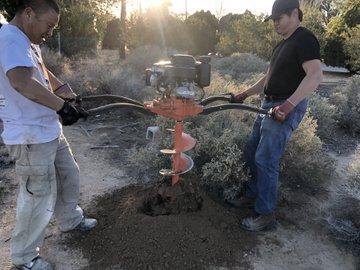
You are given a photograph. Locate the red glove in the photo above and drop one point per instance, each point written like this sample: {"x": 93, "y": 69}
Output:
{"x": 281, "y": 112}
{"x": 239, "y": 98}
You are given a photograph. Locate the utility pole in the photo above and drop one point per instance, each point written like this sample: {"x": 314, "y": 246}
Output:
{"x": 140, "y": 7}
{"x": 122, "y": 53}
{"x": 186, "y": 9}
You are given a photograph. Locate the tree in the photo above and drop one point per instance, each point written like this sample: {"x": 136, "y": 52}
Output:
{"x": 247, "y": 33}
{"x": 314, "y": 20}
{"x": 341, "y": 33}
{"x": 202, "y": 30}
{"x": 112, "y": 35}
{"x": 122, "y": 30}
{"x": 352, "y": 50}
{"x": 351, "y": 13}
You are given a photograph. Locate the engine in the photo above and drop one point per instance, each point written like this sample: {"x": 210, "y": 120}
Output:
{"x": 183, "y": 76}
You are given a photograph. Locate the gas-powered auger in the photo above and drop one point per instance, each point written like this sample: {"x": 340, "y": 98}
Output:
{"x": 180, "y": 83}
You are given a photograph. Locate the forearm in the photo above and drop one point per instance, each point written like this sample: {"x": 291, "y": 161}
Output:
{"x": 257, "y": 88}
{"x": 36, "y": 92}
{"x": 54, "y": 81}
{"x": 306, "y": 87}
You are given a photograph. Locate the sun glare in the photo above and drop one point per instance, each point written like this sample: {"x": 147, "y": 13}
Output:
{"x": 151, "y": 3}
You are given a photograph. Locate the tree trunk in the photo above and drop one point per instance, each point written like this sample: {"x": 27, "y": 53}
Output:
{"x": 123, "y": 30}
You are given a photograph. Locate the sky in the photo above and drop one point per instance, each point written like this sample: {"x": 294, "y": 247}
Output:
{"x": 217, "y": 7}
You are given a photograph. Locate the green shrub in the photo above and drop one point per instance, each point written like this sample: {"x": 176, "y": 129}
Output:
{"x": 348, "y": 103}
{"x": 324, "y": 112}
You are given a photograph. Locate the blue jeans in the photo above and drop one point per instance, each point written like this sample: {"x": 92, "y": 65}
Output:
{"x": 263, "y": 151}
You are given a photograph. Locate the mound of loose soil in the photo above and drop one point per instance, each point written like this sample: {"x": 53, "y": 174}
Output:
{"x": 168, "y": 200}
{"x": 126, "y": 238}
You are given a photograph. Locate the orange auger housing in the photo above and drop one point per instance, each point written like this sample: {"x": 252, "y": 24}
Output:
{"x": 178, "y": 81}
{"x": 178, "y": 109}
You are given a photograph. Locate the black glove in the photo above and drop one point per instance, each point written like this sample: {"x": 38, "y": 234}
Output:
{"x": 68, "y": 114}
{"x": 83, "y": 113}
{"x": 75, "y": 101}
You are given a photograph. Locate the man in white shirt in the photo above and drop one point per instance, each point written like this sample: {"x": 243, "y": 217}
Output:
{"x": 33, "y": 100}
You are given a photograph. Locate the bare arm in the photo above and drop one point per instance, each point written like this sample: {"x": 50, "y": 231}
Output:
{"x": 54, "y": 81}
{"x": 311, "y": 81}
{"x": 61, "y": 90}
{"x": 257, "y": 88}
{"x": 22, "y": 80}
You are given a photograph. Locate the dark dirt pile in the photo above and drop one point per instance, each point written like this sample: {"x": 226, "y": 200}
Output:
{"x": 126, "y": 238}
{"x": 165, "y": 199}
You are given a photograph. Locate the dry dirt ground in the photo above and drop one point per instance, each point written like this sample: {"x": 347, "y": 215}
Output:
{"x": 209, "y": 239}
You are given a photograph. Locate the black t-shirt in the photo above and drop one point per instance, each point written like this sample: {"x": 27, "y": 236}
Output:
{"x": 286, "y": 71}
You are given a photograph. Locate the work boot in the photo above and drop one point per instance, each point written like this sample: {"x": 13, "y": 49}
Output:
{"x": 259, "y": 222}
{"x": 36, "y": 264}
{"x": 242, "y": 202}
{"x": 86, "y": 224}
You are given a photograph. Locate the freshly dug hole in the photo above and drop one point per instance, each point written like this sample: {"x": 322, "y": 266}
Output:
{"x": 167, "y": 200}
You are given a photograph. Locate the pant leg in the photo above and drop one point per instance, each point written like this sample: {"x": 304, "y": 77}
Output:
{"x": 273, "y": 138}
{"x": 67, "y": 212}
{"x": 36, "y": 199}
{"x": 249, "y": 153}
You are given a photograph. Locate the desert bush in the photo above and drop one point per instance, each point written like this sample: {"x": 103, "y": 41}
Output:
{"x": 353, "y": 170}
{"x": 102, "y": 79}
{"x": 95, "y": 76}
{"x": 56, "y": 63}
{"x": 324, "y": 112}
{"x": 304, "y": 157}
{"x": 218, "y": 154}
{"x": 240, "y": 66}
{"x": 348, "y": 103}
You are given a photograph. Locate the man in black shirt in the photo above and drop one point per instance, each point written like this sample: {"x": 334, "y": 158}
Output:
{"x": 294, "y": 73}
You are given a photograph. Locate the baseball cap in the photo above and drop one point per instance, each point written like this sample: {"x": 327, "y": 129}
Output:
{"x": 280, "y": 7}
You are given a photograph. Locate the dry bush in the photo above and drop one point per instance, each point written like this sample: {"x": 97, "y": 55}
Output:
{"x": 324, "y": 112}
{"x": 353, "y": 170}
{"x": 101, "y": 78}
{"x": 347, "y": 100}
{"x": 304, "y": 157}
{"x": 218, "y": 154}
{"x": 57, "y": 64}
{"x": 240, "y": 66}
{"x": 96, "y": 76}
